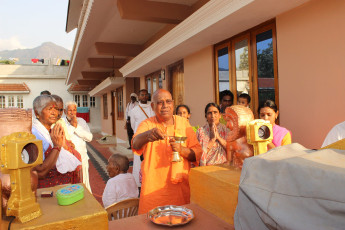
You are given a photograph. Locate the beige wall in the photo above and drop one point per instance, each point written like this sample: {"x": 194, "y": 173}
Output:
{"x": 311, "y": 65}
{"x": 199, "y": 83}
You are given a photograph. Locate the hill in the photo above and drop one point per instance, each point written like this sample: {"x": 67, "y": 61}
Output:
{"x": 47, "y": 50}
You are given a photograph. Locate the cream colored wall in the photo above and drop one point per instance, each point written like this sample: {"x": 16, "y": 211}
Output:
{"x": 199, "y": 83}
{"x": 311, "y": 65}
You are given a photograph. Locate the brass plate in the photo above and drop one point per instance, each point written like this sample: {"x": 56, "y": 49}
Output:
{"x": 170, "y": 215}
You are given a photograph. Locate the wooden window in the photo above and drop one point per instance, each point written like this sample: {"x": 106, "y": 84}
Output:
{"x": 2, "y": 102}
{"x": 84, "y": 100}
{"x": 119, "y": 103}
{"x": 92, "y": 102}
{"x": 247, "y": 63}
{"x": 154, "y": 82}
{"x": 176, "y": 83}
{"x": 20, "y": 103}
{"x": 105, "y": 106}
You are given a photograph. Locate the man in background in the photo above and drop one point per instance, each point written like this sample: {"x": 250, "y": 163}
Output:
{"x": 226, "y": 99}
{"x": 139, "y": 113}
{"x": 128, "y": 126}
{"x": 79, "y": 132}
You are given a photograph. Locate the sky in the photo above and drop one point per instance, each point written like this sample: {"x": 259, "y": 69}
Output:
{"x": 26, "y": 24}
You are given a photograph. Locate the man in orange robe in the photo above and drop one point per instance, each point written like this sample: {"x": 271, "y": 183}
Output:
{"x": 165, "y": 182}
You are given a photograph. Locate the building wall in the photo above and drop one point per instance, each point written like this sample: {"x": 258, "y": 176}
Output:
{"x": 311, "y": 48}
{"x": 37, "y": 78}
{"x": 199, "y": 80}
{"x": 45, "y": 77}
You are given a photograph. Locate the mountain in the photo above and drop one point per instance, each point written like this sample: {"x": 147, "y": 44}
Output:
{"x": 47, "y": 50}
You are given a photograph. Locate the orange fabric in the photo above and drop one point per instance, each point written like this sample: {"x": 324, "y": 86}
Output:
{"x": 157, "y": 188}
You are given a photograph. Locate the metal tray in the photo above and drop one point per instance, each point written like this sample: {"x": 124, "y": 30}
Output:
{"x": 170, "y": 215}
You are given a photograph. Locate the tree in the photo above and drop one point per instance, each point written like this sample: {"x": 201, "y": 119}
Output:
{"x": 265, "y": 62}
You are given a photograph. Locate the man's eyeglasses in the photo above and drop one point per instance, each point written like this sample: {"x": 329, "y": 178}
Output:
{"x": 168, "y": 102}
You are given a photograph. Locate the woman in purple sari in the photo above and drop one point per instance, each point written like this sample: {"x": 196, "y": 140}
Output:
{"x": 281, "y": 136}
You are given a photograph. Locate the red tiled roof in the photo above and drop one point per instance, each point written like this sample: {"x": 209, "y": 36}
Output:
{"x": 14, "y": 87}
{"x": 79, "y": 88}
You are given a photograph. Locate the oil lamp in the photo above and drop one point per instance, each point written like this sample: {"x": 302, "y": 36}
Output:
{"x": 176, "y": 155}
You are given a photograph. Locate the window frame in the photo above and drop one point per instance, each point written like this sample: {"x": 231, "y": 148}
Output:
{"x": 20, "y": 101}
{"x": 2, "y": 101}
{"x": 271, "y": 26}
{"x": 119, "y": 104}
{"x": 11, "y": 101}
{"x": 105, "y": 106}
{"x": 252, "y": 63}
{"x": 84, "y": 102}
{"x": 155, "y": 75}
{"x": 92, "y": 102}
{"x": 77, "y": 99}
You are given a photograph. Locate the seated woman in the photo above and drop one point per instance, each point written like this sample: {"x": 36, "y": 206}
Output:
{"x": 184, "y": 111}
{"x": 281, "y": 136}
{"x": 212, "y": 137}
{"x": 60, "y": 161}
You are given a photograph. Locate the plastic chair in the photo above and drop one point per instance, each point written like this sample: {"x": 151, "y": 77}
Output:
{"x": 123, "y": 209}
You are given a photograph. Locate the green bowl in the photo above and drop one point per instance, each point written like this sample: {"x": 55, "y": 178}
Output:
{"x": 70, "y": 194}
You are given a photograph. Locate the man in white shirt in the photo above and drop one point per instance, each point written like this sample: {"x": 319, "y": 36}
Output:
{"x": 121, "y": 184}
{"x": 128, "y": 126}
{"x": 336, "y": 134}
{"x": 139, "y": 113}
{"x": 79, "y": 132}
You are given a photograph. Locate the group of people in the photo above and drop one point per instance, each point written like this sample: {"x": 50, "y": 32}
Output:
{"x": 64, "y": 137}
{"x": 156, "y": 178}
{"x": 161, "y": 181}
{"x": 152, "y": 128}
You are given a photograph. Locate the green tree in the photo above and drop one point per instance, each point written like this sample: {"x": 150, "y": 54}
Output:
{"x": 265, "y": 62}
{"x": 7, "y": 62}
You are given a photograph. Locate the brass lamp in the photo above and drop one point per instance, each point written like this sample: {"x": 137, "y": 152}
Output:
{"x": 20, "y": 152}
{"x": 176, "y": 155}
{"x": 259, "y": 134}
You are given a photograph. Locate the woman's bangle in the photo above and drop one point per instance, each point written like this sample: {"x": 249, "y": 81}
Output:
{"x": 57, "y": 148}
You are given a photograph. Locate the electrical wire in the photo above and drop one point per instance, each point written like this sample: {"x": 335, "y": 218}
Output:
{"x": 9, "y": 224}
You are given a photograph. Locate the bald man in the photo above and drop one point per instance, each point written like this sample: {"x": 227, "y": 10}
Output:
{"x": 164, "y": 182}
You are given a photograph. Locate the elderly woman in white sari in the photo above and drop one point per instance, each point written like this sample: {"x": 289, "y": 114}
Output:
{"x": 61, "y": 163}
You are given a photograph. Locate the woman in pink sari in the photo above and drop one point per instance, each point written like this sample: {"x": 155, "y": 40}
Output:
{"x": 212, "y": 137}
{"x": 281, "y": 136}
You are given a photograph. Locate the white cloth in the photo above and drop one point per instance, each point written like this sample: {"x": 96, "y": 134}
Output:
{"x": 79, "y": 136}
{"x": 129, "y": 107}
{"x": 291, "y": 187}
{"x": 137, "y": 116}
{"x": 337, "y": 133}
{"x": 119, "y": 188}
{"x": 66, "y": 161}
